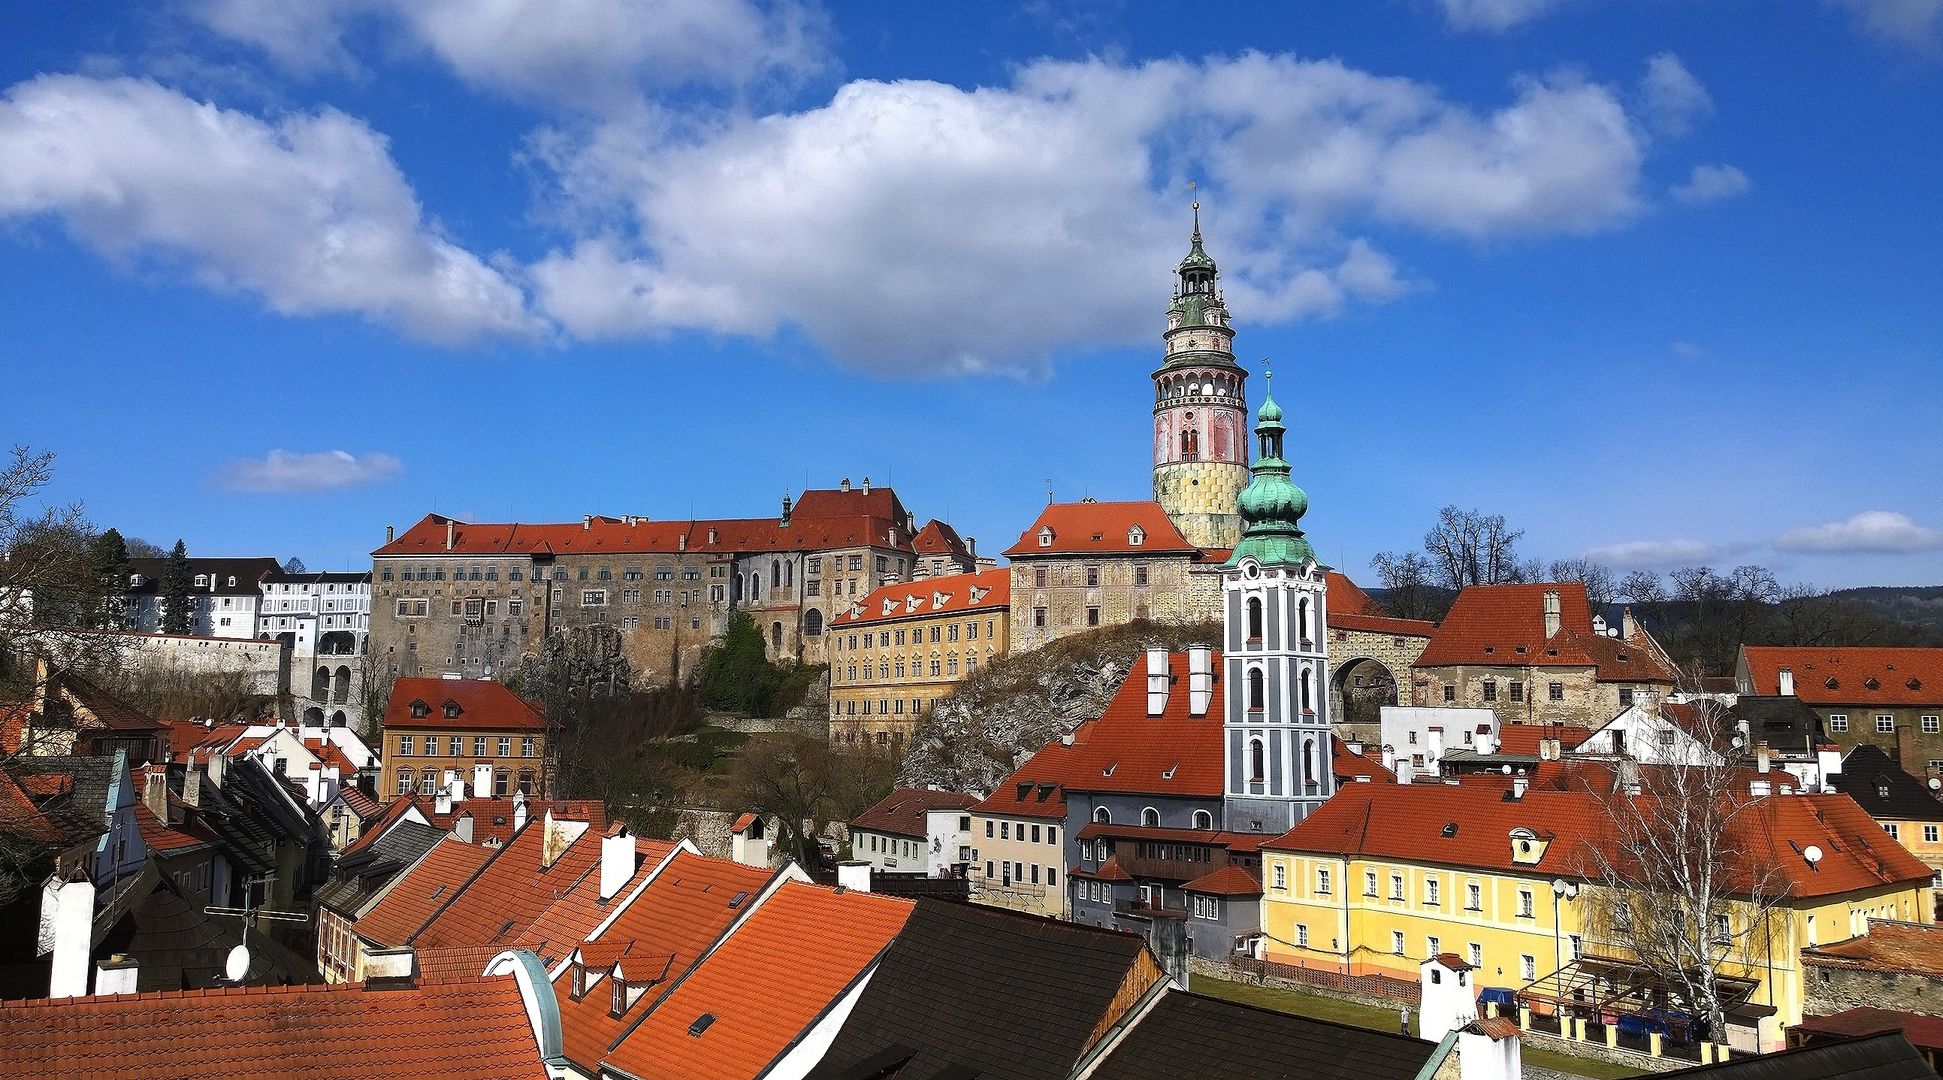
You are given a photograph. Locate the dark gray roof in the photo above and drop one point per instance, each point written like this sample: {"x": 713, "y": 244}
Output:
{"x": 84, "y": 807}
{"x": 1883, "y": 789}
{"x": 1191, "y": 1035}
{"x": 359, "y": 876}
{"x": 178, "y": 946}
{"x": 968, "y": 989}
{"x": 1888, "y": 1056}
{"x": 247, "y": 573}
{"x": 323, "y": 578}
{"x": 1787, "y": 723}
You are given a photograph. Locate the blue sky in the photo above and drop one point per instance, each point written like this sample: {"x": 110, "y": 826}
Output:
{"x": 1656, "y": 280}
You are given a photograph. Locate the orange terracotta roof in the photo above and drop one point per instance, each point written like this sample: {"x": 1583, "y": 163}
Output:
{"x": 902, "y": 812}
{"x": 484, "y": 705}
{"x": 420, "y": 892}
{"x": 1862, "y": 675}
{"x": 493, "y": 818}
{"x": 1524, "y": 738}
{"x": 656, "y": 937}
{"x": 447, "y": 1029}
{"x": 1110, "y": 870}
{"x": 1381, "y": 624}
{"x": 164, "y": 840}
{"x": 511, "y": 891}
{"x": 13, "y": 724}
{"x": 1504, "y": 626}
{"x": 1890, "y": 945}
{"x": 18, "y": 815}
{"x": 1347, "y": 766}
{"x": 938, "y": 538}
{"x": 763, "y": 987}
{"x": 1233, "y": 841}
{"x": 1230, "y": 880}
{"x": 742, "y": 821}
{"x": 1346, "y": 597}
{"x": 455, "y": 961}
{"x": 1407, "y": 822}
{"x": 1101, "y": 528}
{"x": 1035, "y": 789}
{"x": 569, "y": 920}
{"x": 988, "y": 590}
{"x": 1170, "y": 754}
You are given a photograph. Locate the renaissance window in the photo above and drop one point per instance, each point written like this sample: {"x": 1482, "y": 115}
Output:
{"x": 1885, "y": 723}
{"x": 1838, "y": 722}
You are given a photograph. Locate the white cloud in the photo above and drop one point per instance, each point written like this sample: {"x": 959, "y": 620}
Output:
{"x": 1674, "y": 98}
{"x": 1914, "y": 24}
{"x": 1870, "y": 532}
{"x": 328, "y": 470}
{"x": 1493, "y": 15}
{"x": 309, "y": 212}
{"x": 1657, "y": 554}
{"x": 1711, "y": 183}
{"x": 597, "y": 54}
{"x": 914, "y": 227}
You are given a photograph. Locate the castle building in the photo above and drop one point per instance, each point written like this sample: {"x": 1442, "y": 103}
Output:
{"x": 904, "y": 646}
{"x": 1200, "y": 409}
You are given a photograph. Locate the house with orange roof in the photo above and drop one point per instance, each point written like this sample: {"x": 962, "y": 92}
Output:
{"x": 1886, "y": 697}
{"x": 459, "y": 736}
{"x": 1384, "y": 876}
{"x": 915, "y": 831}
{"x": 901, "y": 648}
{"x": 1537, "y": 654}
{"x": 1088, "y": 564}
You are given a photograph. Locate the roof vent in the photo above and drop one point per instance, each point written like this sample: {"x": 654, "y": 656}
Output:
{"x": 1871, "y": 683}
{"x": 701, "y": 1024}
{"x": 1450, "y": 829}
{"x": 1831, "y": 683}
{"x": 736, "y": 900}
{"x": 1108, "y": 771}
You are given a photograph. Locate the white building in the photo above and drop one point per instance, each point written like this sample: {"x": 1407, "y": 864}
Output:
{"x": 1415, "y": 738}
{"x": 223, "y": 595}
{"x": 915, "y": 831}
{"x": 325, "y": 620}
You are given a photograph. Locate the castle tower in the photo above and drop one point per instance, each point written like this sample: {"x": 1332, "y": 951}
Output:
{"x": 1275, "y": 652}
{"x": 1200, "y": 409}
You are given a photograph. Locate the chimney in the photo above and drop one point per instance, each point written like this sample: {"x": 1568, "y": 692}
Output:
{"x": 67, "y": 923}
{"x": 455, "y": 786}
{"x": 1786, "y": 687}
{"x": 192, "y": 784}
{"x": 1157, "y": 680}
{"x": 711, "y": 538}
{"x": 681, "y": 542}
{"x": 616, "y": 862}
{"x": 1627, "y": 627}
{"x": 462, "y": 827}
{"x": 854, "y": 874}
{"x": 845, "y": 486}
{"x": 1448, "y": 1000}
{"x": 750, "y": 846}
{"x": 1355, "y": 747}
{"x": 391, "y": 969}
{"x": 216, "y": 767}
{"x": 586, "y": 522}
{"x": 482, "y": 781}
{"x": 155, "y": 793}
{"x": 442, "y": 802}
{"x": 1552, "y": 613}
{"x": 866, "y": 485}
{"x": 391, "y": 533}
{"x": 971, "y": 549}
{"x": 558, "y": 837}
{"x": 115, "y": 975}
{"x": 1828, "y": 762}
{"x": 1491, "y": 1050}
{"x": 1168, "y": 939}
{"x": 1520, "y": 784}
{"x": 519, "y": 810}
{"x": 786, "y": 508}
{"x": 451, "y": 533}
{"x": 1763, "y": 756}
{"x": 1200, "y": 679}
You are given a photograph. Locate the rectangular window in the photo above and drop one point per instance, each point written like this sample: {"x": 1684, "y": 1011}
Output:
{"x": 478, "y": 746}
{"x": 1626, "y": 696}
{"x": 1369, "y": 883}
{"x": 1893, "y": 830}
{"x": 1555, "y": 691}
{"x": 455, "y": 746}
{"x": 1396, "y": 886}
{"x": 1524, "y": 904}
{"x": 1929, "y": 834}
{"x": 1281, "y": 877}
{"x": 526, "y": 746}
{"x": 1473, "y": 897}
{"x": 1433, "y": 945}
{"x": 505, "y": 746}
{"x": 1528, "y": 967}
{"x": 404, "y": 741}
{"x": 1005, "y": 830}
{"x": 1838, "y": 722}
{"x": 1432, "y": 894}
{"x": 1477, "y": 955}
{"x": 1396, "y": 942}
{"x": 1517, "y": 691}
{"x": 1885, "y": 723}
{"x": 1039, "y": 617}
{"x": 1322, "y": 881}
{"x": 1932, "y": 725}
{"x": 1092, "y": 577}
{"x": 1450, "y": 692}
{"x": 1092, "y": 616}
{"x": 1490, "y": 690}
{"x": 515, "y": 606}
{"x": 1035, "y": 834}
{"x": 1302, "y": 935}
{"x": 988, "y": 829}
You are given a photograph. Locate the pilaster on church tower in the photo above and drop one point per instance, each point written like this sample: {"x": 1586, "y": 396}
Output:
{"x": 1200, "y": 408}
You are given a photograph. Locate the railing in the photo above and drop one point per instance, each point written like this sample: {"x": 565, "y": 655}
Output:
{"x": 1381, "y": 987}
{"x": 1141, "y": 909}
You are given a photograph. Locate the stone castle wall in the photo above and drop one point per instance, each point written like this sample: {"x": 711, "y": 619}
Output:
{"x": 1199, "y": 496}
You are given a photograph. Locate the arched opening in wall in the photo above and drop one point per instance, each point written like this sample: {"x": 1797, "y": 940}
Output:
{"x": 813, "y": 623}
{"x": 1308, "y": 693}
{"x": 1357, "y": 694}
{"x": 1257, "y": 761}
{"x": 1257, "y": 689}
{"x": 1309, "y": 762}
{"x": 1254, "y": 618}
{"x": 1102, "y": 815}
{"x": 1150, "y": 818}
{"x": 288, "y": 639}
{"x": 338, "y": 719}
{"x": 1203, "y": 819}
{"x": 775, "y": 573}
{"x": 341, "y": 686}
{"x": 320, "y": 684}
{"x": 337, "y": 643}
{"x": 1302, "y": 621}
{"x": 313, "y": 717}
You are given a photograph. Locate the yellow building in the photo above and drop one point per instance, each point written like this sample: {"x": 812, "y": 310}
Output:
{"x": 1384, "y": 876}
{"x": 904, "y": 646}
{"x": 1902, "y": 804}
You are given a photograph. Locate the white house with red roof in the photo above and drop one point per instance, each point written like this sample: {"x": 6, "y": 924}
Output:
{"x": 915, "y": 831}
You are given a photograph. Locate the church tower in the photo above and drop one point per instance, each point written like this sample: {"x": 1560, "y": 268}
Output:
{"x": 1275, "y": 652}
{"x": 1200, "y": 409}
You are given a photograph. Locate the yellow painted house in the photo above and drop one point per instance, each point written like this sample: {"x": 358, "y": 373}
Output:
{"x": 1384, "y": 876}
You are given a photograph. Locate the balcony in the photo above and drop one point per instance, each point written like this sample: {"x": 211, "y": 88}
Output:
{"x": 1141, "y": 909}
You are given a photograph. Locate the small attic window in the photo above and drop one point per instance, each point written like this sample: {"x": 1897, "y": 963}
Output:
{"x": 1551, "y": 652}
{"x": 452, "y": 710}
{"x": 737, "y": 900}
{"x": 1882, "y": 789}
{"x": 1521, "y": 648}
{"x": 420, "y": 709}
{"x": 1108, "y": 771}
{"x": 1831, "y": 683}
{"x": 1871, "y": 683}
{"x": 1045, "y": 536}
{"x": 1490, "y": 649}
{"x": 202, "y": 580}
{"x": 232, "y": 581}
{"x": 1914, "y": 684}
{"x": 1622, "y": 657}
{"x": 701, "y": 1024}
{"x": 1136, "y": 536}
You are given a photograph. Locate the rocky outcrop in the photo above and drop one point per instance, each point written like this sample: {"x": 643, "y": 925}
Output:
{"x": 999, "y": 717}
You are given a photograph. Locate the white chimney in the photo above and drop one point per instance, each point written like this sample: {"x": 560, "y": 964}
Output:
{"x": 1448, "y": 1001}
{"x": 866, "y": 485}
{"x": 1763, "y": 756}
{"x": 1157, "y": 680}
{"x": 455, "y": 786}
{"x": 391, "y": 968}
{"x": 1355, "y": 747}
{"x": 1553, "y": 616}
{"x": 1787, "y": 683}
{"x": 519, "y": 810}
{"x": 616, "y": 862}
{"x": 115, "y": 975}
{"x": 1200, "y": 679}
{"x": 67, "y": 909}
{"x": 1403, "y": 769}
{"x": 1490, "y": 1050}
{"x": 462, "y": 827}
{"x": 391, "y": 533}
{"x": 845, "y": 486}
{"x": 1519, "y": 784}
{"x": 442, "y": 802}
{"x": 482, "y": 781}
{"x": 1828, "y": 761}
{"x": 854, "y": 875}
{"x": 451, "y": 533}
{"x": 1627, "y": 627}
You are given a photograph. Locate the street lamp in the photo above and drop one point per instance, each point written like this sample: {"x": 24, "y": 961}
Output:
{"x": 1561, "y": 890}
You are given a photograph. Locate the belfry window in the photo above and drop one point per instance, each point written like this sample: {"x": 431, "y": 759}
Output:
{"x": 1255, "y": 619}
{"x": 1255, "y": 689}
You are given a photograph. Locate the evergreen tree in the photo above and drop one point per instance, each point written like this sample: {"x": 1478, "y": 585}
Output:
{"x": 737, "y": 676}
{"x": 108, "y": 571}
{"x": 175, "y": 587}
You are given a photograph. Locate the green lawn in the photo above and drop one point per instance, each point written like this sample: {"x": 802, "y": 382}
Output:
{"x": 1377, "y": 1018}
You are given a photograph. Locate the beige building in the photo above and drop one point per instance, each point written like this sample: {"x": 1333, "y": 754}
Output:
{"x": 1088, "y": 564}
{"x": 470, "y": 732}
{"x": 465, "y": 600}
{"x": 1017, "y": 850}
{"x": 896, "y": 651}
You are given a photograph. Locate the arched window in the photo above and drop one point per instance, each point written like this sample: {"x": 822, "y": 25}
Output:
{"x": 341, "y": 686}
{"x": 775, "y": 573}
{"x": 1308, "y": 703}
{"x": 1254, "y": 618}
{"x": 1302, "y": 622}
{"x": 1257, "y": 761}
{"x": 813, "y": 623}
{"x": 1102, "y": 815}
{"x": 1309, "y": 762}
{"x": 405, "y": 780}
{"x": 1150, "y": 818}
{"x": 1203, "y": 819}
{"x": 1256, "y": 690}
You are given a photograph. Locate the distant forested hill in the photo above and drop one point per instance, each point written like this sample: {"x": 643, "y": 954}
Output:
{"x": 1917, "y": 605}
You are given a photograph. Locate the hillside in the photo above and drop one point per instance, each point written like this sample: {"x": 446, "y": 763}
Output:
{"x": 996, "y": 718}
{"x": 1918, "y": 606}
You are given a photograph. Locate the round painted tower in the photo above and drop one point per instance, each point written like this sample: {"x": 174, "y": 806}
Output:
{"x": 1200, "y": 409}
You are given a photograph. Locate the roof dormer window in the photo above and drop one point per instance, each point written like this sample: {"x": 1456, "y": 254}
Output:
{"x": 420, "y": 710}
{"x": 202, "y": 581}
{"x": 232, "y": 581}
{"x": 452, "y": 710}
{"x": 1045, "y": 536}
{"x": 1136, "y": 536}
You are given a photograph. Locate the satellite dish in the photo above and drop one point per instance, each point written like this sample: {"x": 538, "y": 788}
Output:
{"x": 237, "y": 967}
{"x": 1812, "y": 853}
{"x": 1507, "y": 770}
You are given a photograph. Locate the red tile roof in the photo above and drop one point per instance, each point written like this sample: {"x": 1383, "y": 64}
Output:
{"x": 571, "y": 918}
{"x": 484, "y": 705}
{"x": 1110, "y": 870}
{"x": 1863, "y": 675}
{"x": 938, "y": 538}
{"x": 1407, "y": 822}
{"x": 1923, "y": 1032}
{"x": 1347, "y": 598}
{"x": 1381, "y": 624}
{"x": 1233, "y": 841}
{"x": 18, "y": 815}
{"x": 446, "y": 1029}
{"x": 420, "y": 892}
{"x": 1504, "y": 626}
{"x": 164, "y": 840}
{"x": 493, "y": 818}
{"x": 989, "y": 590}
{"x": 1524, "y": 738}
{"x": 1889, "y": 945}
{"x": 901, "y": 813}
{"x": 657, "y": 937}
{"x": 1230, "y": 880}
{"x": 1093, "y": 528}
{"x": 1347, "y": 766}
{"x": 795, "y": 957}
{"x": 512, "y": 890}
{"x": 1170, "y": 754}
{"x": 1045, "y": 795}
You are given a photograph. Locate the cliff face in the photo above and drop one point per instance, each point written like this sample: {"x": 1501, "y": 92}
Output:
{"x": 996, "y": 719}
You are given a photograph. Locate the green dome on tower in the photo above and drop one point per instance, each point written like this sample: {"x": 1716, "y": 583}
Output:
{"x": 1271, "y": 505}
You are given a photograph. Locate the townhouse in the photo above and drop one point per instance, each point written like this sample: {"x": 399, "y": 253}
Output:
{"x": 1891, "y": 698}
{"x": 897, "y": 651}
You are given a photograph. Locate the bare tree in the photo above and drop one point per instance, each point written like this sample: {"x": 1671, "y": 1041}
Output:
{"x": 1468, "y": 548}
{"x": 48, "y": 591}
{"x": 1685, "y": 872}
{"x": 787, "y": 778}
{"x": 1600, "y": 587}
{"x": 1408, "y": 591}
